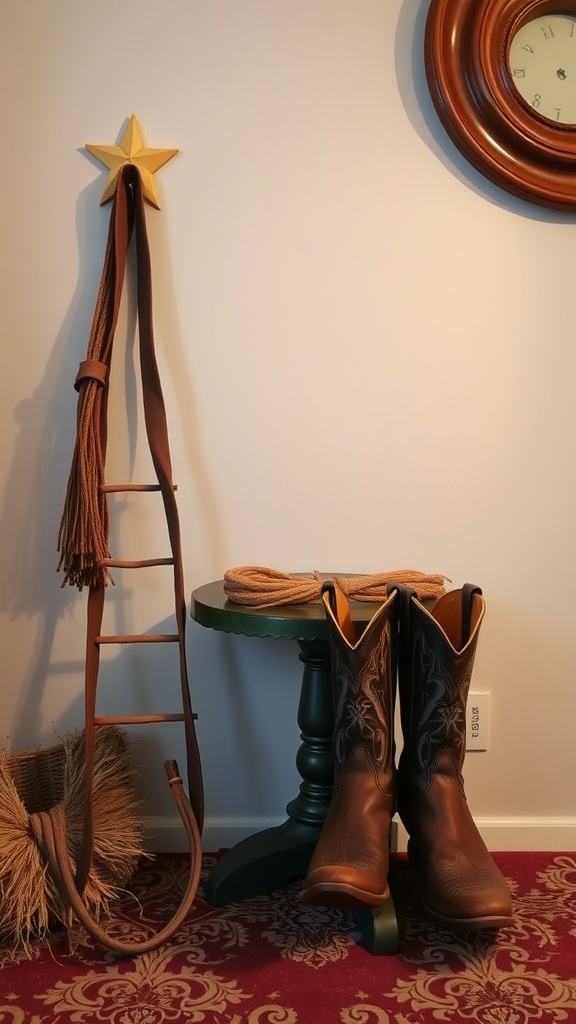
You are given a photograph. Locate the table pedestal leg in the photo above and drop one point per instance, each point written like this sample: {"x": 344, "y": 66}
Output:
{"x": 277, "y": 855}
{"x": 379, "y": 928}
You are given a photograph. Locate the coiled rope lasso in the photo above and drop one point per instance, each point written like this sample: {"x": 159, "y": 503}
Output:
{"x": 261, "y": 587}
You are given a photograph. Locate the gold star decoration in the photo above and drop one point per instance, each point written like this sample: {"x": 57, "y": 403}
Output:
{"x": 132, "y": 151}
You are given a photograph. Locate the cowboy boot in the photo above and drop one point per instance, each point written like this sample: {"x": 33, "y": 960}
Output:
{"x": 462, "y": 887}
{"x": 349, "y": 867}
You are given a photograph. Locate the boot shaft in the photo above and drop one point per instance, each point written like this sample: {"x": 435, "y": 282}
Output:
{"x": 364, "y": 678}
{"x": 436, "y": 661}
{"x": 461, "y": 886}
{"x": 349, "y": 867}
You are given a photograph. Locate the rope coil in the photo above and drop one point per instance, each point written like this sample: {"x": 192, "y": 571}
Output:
{"x": 261, "y": 587}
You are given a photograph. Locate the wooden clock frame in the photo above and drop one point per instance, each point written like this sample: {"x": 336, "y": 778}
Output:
{"x": 466, "y": 59}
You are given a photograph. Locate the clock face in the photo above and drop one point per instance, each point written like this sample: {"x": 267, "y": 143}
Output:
{"x": 542, "y": 62}
{"x": 502, "y": 76}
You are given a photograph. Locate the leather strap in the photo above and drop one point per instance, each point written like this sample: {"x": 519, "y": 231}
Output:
{"x": 50, "y": 830}
{"x": 468, "y": 591}
{"x": 128, "y": 218}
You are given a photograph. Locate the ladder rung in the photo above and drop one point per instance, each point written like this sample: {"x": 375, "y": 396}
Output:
{"x": 140, "y": 638}
{"x": 117, "y": 488}
{"x": 136, "y": 719}
{"x": 142, "y": 563}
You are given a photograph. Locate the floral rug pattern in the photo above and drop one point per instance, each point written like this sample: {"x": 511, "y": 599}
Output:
{"x": 273, "y": 960}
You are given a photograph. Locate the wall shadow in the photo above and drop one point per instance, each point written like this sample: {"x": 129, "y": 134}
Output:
{"x": 37, "y": 478}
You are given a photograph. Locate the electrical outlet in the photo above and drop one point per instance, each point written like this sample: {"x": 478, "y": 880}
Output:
{"x": 478, "y": 721}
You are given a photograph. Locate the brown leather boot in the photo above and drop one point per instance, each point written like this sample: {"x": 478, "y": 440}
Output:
{"x": 462, "y": 887}
{"x": 349, "y": 867}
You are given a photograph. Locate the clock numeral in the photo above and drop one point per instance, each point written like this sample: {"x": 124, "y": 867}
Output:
{"x": 547, "y": 31}
{"x": 527, "y": 48}
{"x": 519, "y": 72}
{"x": 558, "y": 112}
{"x": 537, "y": 100}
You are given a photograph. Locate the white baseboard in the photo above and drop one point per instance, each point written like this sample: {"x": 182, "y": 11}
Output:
{"x": 166, "y": 835}
{"x": 558, "y": 834}
{"x": 521, "y": 834}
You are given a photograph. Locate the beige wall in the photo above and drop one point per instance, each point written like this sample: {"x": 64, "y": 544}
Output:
{"x": 368, "y": 354}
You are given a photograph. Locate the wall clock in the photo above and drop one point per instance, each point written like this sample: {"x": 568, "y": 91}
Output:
{"x": 502, "y": 76}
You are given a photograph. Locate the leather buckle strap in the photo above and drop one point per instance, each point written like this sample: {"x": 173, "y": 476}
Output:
{"x": 92, "y": 382}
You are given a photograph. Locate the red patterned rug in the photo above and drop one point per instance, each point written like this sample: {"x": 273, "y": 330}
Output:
{"x": 272, "y": 960}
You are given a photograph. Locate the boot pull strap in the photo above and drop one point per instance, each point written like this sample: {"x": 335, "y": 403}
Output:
{"x": 329, "y": 588}
{"x": 405, "y": 595}
{"x": 468, "y": 591}
{"x": 335, "y": 600}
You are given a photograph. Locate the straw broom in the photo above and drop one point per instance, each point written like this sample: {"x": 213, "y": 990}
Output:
{"x": 35, "y": 780}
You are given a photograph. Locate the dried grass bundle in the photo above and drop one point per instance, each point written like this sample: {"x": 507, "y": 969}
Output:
{"x": 36, "y": 780}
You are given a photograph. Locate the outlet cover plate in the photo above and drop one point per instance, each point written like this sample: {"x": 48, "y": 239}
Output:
{"x": 478, "y": 721}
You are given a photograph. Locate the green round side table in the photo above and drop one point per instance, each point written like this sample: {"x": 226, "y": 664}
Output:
{"x": 275, "y": 856}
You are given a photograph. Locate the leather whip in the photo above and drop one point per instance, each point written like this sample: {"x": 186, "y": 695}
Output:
{"x": 86, "y": 560}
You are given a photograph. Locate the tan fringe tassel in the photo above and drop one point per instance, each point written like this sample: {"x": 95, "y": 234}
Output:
{"x": 84, "y": 527}
{"x": 261, "y": 587}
